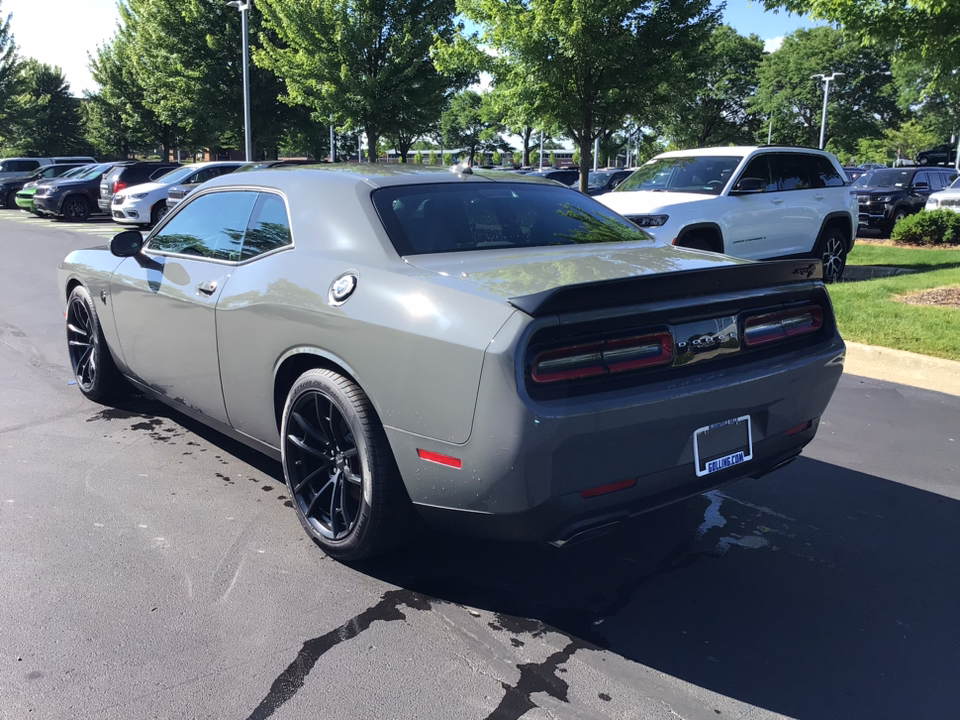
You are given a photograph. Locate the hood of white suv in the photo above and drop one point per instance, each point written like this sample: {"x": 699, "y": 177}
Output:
{"x": 646, "y": 202}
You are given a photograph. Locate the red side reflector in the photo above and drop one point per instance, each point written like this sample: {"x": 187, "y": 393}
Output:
{"x": 440, "y": 459}
{"x": 604, "y": 489}
{"x": 800, "y": 428}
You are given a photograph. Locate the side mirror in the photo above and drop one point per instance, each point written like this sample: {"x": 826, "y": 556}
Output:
{"x": 126, "y": 244}
{"x": 749, "y": 185}
{"x": 921, "y": 186}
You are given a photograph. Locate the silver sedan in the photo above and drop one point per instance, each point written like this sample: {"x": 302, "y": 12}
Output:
{"x": 485, "y": 351}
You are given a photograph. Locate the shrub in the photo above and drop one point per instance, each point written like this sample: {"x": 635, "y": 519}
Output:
{"x": 936, "y": 227}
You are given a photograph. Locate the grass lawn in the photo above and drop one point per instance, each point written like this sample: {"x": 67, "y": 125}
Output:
{"x": 868, "y": 313}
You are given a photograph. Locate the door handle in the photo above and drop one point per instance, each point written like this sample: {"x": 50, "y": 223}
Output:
{"x": 776, "y": 201}
{"x": 207, "y": 287}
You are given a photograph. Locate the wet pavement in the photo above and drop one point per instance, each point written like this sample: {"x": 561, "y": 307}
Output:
{"x": 150, "y": 567}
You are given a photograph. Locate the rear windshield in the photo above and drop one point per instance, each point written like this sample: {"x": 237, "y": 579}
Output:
{"x": 706, "y": 175}
{"x": 423, "y": 219}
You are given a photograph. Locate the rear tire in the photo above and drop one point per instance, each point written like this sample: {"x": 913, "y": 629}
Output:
{"x": 158, "y": 211}
{"x": 95, "y": 372}
{"x": 342, "y": 476}
{"x": 832, "y": 252}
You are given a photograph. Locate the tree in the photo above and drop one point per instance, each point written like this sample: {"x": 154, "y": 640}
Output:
{"x": 469, "y": 124}
{"x": 9, "y": 76}
{"x": 365, "y": 61}
{"x": 50, "y": 122}
{"x": 590, "y": 63}
{"x": 711, "y": 104}
{"x": 924, "y": 31}
{"x": 862, "y": 102}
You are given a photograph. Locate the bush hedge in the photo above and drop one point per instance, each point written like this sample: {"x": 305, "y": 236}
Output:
{"x": 936, "y": 227}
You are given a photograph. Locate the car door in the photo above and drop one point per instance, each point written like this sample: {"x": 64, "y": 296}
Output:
{"x": 804, "y": 202}
{"x": 920, "y": 188}
{"x": 164, "y": 299}
{"x": 752, "y": 222}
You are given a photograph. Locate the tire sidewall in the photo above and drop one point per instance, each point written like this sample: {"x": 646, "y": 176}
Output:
{"x": 325, "y": 382}
{"x": 99, "y": 388}
{"x": 79, "y": 217}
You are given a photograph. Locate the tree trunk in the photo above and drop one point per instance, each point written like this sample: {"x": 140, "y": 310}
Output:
{"x": 527, "y": 132}
{"x": 373, "y": 140}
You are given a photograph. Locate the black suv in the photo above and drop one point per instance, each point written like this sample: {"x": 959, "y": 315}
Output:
{"x": 72, "y": 198}
{"x": 887, "y": 196}
{"x": 129, "y": 173}
{"x": 11, "y": 186}
{"x": 567, "y": 176}
{"x": 945, "y": 154}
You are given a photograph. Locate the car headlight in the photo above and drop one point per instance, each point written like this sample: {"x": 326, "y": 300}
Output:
{"x": 932, "y": 202}
{"x": 54, "y": 190}
{"x": 884, "y": 199}
{"x": 649, "y": 220}
{"x": 139, "y": 196}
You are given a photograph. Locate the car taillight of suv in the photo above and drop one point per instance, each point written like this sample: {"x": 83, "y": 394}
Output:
{"x": 118, "y": 185}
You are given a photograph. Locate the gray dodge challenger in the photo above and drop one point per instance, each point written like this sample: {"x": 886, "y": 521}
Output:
{"x": 489, "y": 352}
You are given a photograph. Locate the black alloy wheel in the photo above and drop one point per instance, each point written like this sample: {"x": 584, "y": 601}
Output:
{"x": 75, "y": 208}
{"x": 93, "y": 367}
{"x": 10, "y": 201}
{"x": 832, "y": 251}
{"x": 337, "y": 462}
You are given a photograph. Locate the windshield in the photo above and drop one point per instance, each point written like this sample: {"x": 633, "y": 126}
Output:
{"x": 425, "y": 219}
{"x": 706, "y": 175}
{"x": 885, "y": 178}
{"x": 175, "y": 175}
{"x": 74, "y": 172}
{"x": 598, "y": 179}
{"x": 90, "y": 171}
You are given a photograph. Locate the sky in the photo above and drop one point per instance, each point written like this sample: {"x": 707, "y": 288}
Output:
{"x": 65, "y": 32}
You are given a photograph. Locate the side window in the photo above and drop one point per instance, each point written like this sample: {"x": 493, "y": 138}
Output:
{"x": 793, "y": 171}
{"x": 27, "y": 165}
{"x": 212, "y": 226}
{"x": 760, "y": 168}
{"x": 824, "y": 172}
{"x": 921, "y": 177}
{"x": 949, "y": 178}
{"x": 936, "y": 181}
{"x": 269, "y": 227}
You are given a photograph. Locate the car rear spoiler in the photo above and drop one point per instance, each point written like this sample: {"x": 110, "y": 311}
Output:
{"x": 664, "y": 286}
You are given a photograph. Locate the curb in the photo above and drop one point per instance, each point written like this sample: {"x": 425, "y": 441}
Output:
{"x": 906, "y": 368}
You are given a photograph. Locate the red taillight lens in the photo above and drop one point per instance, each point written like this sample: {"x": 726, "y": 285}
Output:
{"x": 601, "y": 358}
{"x": 118, "y": 185}
{"x": 761, "y": 329}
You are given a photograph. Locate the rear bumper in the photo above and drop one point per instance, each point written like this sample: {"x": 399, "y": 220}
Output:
{"x": 525, "y": 464}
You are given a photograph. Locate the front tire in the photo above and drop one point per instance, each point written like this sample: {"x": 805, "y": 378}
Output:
{"x": 344, "y": 482}
{"x": 158, "y": 211}
{"x": 832, "y": 252}
{"x": 93, "y": 367}
{"x": 75, "y": 209}
{"x": 10, "y": 201}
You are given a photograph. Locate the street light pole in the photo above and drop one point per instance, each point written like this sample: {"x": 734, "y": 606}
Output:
{"x": 244, "y": 7}
{"x": 826, "y": 96}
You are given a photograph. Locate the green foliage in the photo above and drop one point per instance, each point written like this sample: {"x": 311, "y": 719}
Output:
{"x": 553, "y": 159}
{"x": 418, "y": 158}
{"x": 497, "y": 158}
{"x": 447, "y": 159}
{"x": 862, "y": 102}
{"x": 367, "y": 62}
{"x": 711, "y": 104}
{"x": 920, "y": 31}
{"x": 586, "y": 65}
{"x": 534, "y": 157}
{"x": 576, "y": 156}
{"x": 936, "y": 227}
{"x": 468, "y": 123}
{"x": 432, "y": 160}
{"x": 9, "y": 78}
{"x": 48, "y": 120}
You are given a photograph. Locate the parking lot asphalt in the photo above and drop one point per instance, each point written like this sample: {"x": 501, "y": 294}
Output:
{"x": 150, "y": 567}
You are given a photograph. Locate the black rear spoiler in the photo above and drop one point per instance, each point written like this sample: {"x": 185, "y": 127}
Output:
{"x": 662, "y": 286}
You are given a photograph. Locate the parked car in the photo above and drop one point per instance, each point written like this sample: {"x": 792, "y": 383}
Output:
{"x": 569, "y": 177}
{"x": 604, "y": 181}
{"x": 129, "y": 173}
{"x": 21, "y": 167}
{"x": 146, "y": 203}
{"x": 177, "y": 192}
{"x": 872, "y": 166}
{"x": 25, "y": 194}
{"x": 751, "y": 202}
{"x": 497, "y": 353}
{"x": 265, "y": 164}
{"x": 852, "y": 173}
{"x": 11, "y": 186}
{"x": 945, "y": 154}
{"x": 887, "y": 196}
{"x": 74, "y": 198}
{"x": 948, "y": 198}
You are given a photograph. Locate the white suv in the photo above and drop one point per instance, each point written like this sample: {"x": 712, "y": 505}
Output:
{"x": 948, "y": 199}
{"x": 751, "y": 202}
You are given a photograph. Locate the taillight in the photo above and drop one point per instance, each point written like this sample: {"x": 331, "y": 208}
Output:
{"x": 771, "y": 327}
{"x": 118, "y": 185}
{"x": 601, "y": 358}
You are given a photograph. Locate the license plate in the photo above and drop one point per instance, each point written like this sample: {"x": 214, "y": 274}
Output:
{"x": 722, "y": 445}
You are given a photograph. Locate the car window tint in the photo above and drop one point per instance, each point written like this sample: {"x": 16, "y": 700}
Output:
{"x": 441, "y": 218}
{"x": 793, "y": 171}
{"x": 160, "y": 172}
{"x": 936, "y": 181}
{"x": 269, "y": 227}
{"x": 825, "y": 173}
{"x": 760, "y": 168}
{"x": 921, "y": 177}
{"x": 212, "y": 226}
{"x": 706, "y": 175}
